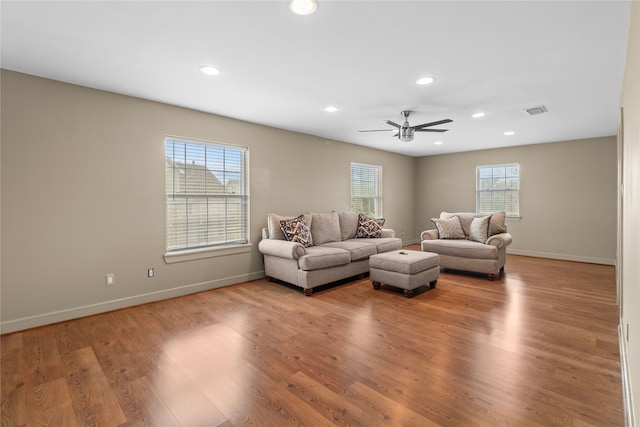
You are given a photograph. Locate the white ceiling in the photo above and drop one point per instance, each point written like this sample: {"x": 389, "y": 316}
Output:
{"x": 282, "y": 70}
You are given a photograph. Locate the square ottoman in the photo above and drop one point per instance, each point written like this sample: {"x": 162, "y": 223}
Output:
{"x": 404, "y": 269}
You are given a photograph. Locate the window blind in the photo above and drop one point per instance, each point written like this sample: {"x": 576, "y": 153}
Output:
{"x": 366, "y": 189}
{"x": 206, "y": 194}
{"x": 498, "y": 189}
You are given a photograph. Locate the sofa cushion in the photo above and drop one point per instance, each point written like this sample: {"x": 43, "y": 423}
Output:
{"x": 497, "y": 223}
{"x": 460, "y": 248}
{"x": 449, "y": 228}
{"x": 348, "y": 224}
{"x": 325, "y": 227}
{"x": 479, "y": 229}
{"x": 386, "y": 244}
{"x": 273, "y": 225}
{"x": 358, "y": 248}
{"x": 297, "y": 230}
{"x": 319, "y": 257}
{"x": 369, "y": 228}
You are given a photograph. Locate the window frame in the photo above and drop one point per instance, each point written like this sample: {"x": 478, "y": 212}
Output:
{"x": 505, "y": 190}
{"x": 209, "y": 199}
{"x": 376, "y": 171}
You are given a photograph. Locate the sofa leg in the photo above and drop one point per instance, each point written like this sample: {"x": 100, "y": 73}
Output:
{"x": 432, "y": 284}
{"x": 408, "y": 293}
{"x": 376, "y": 285}
{"x": 491, "y": 277}
{"x": 307, "y": 292}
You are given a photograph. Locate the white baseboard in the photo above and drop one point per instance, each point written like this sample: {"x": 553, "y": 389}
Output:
{"x": 627, "y": 393}
{"x": 102, "y": 307}
{"x": 564, "y": 257}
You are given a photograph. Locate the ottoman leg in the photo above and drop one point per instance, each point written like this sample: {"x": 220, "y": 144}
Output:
{"x": 408, "y": 293}
{"x": 376, "y": 285}
{"x": 432, "y": 284}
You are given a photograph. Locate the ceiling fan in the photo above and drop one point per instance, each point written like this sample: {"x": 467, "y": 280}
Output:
{"x": 405, "y": 132}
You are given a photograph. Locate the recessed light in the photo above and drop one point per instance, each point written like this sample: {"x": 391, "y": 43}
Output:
{"x": 210, "y": 70}
{"x": 478, "y": 114}
{"x": 331, "y": 109}
{"x": 425, "y": 81}
{"x": 303, "y": 7}
{"x": 438, "y": 143}
{"x": 509, "y": 133}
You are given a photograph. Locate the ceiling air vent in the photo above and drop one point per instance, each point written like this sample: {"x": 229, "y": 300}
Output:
{"x": 536, "y": 110}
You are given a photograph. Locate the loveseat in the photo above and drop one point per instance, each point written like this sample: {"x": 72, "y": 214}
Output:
{"x": 469, "y": 241}
{"x": 320, "y": 248}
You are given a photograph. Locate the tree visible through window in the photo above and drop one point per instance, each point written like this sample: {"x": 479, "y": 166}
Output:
{"x": 498, "y": 189}
{"x": 206, "y": 190}
{"x": 366, "y": 189}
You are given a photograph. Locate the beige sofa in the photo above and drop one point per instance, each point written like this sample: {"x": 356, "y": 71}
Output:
{"x": 332, "y": 251}
{"x": 469, "y": 241}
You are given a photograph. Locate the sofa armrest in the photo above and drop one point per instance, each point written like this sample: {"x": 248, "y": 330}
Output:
{"x": 500, "y": 240}
{"x": 388, "y": 232}
{"x": 429, "y": 235}
{"x": 281, "y": 248}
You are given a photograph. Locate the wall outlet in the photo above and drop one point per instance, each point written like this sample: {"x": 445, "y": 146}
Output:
{"x": 151, "y": 272}
{"x": 402, "y": 233}
{"x": 110, "y": 279}
{"x": 626, "y": 331}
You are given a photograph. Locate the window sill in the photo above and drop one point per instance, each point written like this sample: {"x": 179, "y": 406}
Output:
{"x": 514, "y": 218}
{"x": 192, "y": 255}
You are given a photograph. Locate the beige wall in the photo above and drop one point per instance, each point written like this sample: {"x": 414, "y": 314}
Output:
{"x": 630, "y": 102}
{"x": 83, "y": 196}
{"x": 567, "y": 196}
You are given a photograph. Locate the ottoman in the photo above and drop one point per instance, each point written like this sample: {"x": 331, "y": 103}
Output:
{"x": 404, "y": 269}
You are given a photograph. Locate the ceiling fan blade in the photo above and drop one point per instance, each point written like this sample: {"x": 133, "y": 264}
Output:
{"x": 389, "y": 122}
{"x": 431, "y": 130}
{"x": 439, "y": 122}
{"x": 377, "y": 130}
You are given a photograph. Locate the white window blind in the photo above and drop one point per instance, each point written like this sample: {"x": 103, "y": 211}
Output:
{"x": 366, "y": 189}
{"x": 498, "y": 189}
{"x": 207, "y": 196}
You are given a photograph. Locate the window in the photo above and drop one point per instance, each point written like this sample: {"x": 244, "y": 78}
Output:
{"x": 207, "y": 196}
{"x": 498, "y": 189}
{"x": 366, "y": 189}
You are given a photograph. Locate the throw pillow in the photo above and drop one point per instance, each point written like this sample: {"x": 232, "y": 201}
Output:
{"x": 449, "y": 228}
{"x": 369, "y": 228}
{"x": 273, "y": 224}
{"x": 479, "y": 229}
{"x": 296, "y": 230}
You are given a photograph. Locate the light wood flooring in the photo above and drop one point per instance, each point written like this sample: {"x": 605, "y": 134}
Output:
{"x": 536, "y": 347}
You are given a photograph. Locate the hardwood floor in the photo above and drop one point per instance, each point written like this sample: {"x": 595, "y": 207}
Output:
{"x": 536, "y": 347}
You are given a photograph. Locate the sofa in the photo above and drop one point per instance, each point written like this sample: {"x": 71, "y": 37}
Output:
{"x": 469, "y": 241}
{"x": 319, "y": 248}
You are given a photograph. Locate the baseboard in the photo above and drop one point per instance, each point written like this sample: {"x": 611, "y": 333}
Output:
{"x": 627, "y": 393}
{"x": 410, "y": 242}
{"x": 564, "y": 257}
{"x": 88, "y": 310}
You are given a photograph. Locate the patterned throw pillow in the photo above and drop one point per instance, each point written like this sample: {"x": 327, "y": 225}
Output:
{"x": 479, "y": 229}
{"x": 296, "y": 230}
{"x": 449, "y": 228}
{"x": 369, "y": 228}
